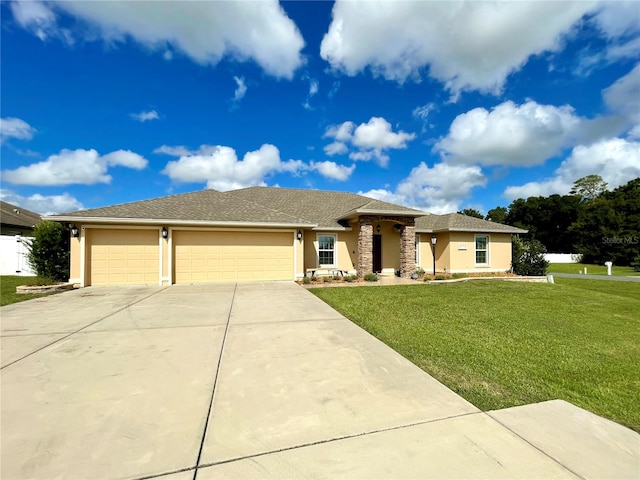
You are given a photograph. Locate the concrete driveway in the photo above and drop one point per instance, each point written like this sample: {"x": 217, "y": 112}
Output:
{"x": 257, "y": 381}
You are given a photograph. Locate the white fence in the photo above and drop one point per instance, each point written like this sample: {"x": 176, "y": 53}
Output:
{"x": 13, "y": 256}
{"x": 563, "y": 257}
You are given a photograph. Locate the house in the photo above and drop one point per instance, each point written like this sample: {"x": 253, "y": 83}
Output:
{"x": 16, "y": 228}
{"x": 15, "y": 220}
{"x": 263, "y": 233}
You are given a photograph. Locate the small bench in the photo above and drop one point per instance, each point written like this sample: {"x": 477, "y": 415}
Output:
{"x": 326, "y": 271}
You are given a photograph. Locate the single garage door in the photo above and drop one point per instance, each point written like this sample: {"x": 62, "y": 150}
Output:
{"x": 232, "y": 256}
{"x": 119, "y": 257}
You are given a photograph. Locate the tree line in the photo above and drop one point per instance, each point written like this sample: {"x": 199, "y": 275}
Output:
{"x": 601, "y": 224}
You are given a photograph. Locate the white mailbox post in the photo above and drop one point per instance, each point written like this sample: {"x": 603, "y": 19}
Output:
{"x": 608, "y": 265}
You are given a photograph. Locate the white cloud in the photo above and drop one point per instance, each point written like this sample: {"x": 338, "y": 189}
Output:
{"x": 43, "y": 204}
{"x": 241, "y": 89}
{"x": 341, "y": 133}
{"x": 80, "y": 166}
{"x": 616, "y": 160}
{"x": 372, "y": 140}
{"x": 438, "y": 189}
{"x": 333, "y": 170}
{"x": 15, "y": 128}
{"x": 145, "y": 116}
{"x": 313, "y": 89}
{"x": 466, "y": 45}
{"x": 336, "y": 148}
{"x": 220, "y": 167}
{"x": 206, "y": 32}
{"x": 619, "y": 18}
{"x": 510, "y": 134}
{"x": 175, "y": 151}
{"x": 624, "y": 95}
{"x": 422, "y": 112}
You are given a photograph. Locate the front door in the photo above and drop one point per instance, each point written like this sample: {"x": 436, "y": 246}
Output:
{"x": 377, "y": 253}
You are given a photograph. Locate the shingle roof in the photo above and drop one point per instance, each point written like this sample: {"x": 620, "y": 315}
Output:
{"x": 16, "y": 216}
{"x": 456, "y": 222}
{"x": 321, "y": 209}
{"x": 202, "y": 206}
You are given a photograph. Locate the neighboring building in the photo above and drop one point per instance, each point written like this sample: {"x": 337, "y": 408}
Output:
{"x": 16, "y": 228}
{"x": 262, "y": 233}
{"x": 17, "y": 221}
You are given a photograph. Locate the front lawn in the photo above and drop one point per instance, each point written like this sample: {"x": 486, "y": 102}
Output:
{"x": 591, "y": 269}
{"x": 8, "y": 284}
{"x": 501, "y": 344}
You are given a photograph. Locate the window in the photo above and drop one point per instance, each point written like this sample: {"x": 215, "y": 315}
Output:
{"x": 327, "y": 250}
{"x": 482, "y": 250}
{"x": 417, "y": 250}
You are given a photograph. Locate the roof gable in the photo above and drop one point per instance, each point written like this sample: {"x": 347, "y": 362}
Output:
{"x": 456, "y": 222}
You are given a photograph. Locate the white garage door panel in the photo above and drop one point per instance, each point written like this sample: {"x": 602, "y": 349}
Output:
{"x": 123, "y": 257}
{"x": 232, "y": 256}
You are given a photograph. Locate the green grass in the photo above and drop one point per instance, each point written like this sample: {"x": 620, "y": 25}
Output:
{"x": 501, "y": 344}
{"x": 8, "y": 286}
{"x": 591, "y": 269}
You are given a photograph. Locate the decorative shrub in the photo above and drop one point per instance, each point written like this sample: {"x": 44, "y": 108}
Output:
{"x": 528, "y": 257}
{"x": 306, "y": 280}
{"x": 636, "y": 264}
{"x": 350, "y": 278}
{"x": 49, "y": 251}
{"x": 370, "y": 277}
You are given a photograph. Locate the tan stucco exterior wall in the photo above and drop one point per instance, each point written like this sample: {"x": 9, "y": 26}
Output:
{"x": 299, "y": 246}
{"x": 74, "y": 260}
{"x": 462, "y": 252}
{"x": 390, "y": 246}
{"x": 347, "y": 249}
{"x": 425, "y": 260}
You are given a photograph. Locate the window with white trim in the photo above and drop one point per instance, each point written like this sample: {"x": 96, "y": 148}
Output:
{"x": 326, "y": 250}
{"x": 482, "y": 250}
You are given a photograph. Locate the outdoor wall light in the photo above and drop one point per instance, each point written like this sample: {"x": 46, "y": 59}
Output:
{"x": 74, "y": 232}
{"x": 434, "y": 240}
{"x": 299, "y": 235}
{"x": 378, "y": 229}
{"x": 165, "y": 232}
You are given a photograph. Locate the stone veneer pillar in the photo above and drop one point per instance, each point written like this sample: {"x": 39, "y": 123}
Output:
{"x": 365, "y": 245}
{"x": 408, "y": 249}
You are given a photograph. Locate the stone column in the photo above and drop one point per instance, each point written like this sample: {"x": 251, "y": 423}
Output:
{"x": 408, "y": 249}
{"x": 365, "y": 245}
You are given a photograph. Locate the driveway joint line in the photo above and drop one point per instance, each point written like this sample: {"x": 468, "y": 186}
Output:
{"x": 80, "y": 329}
{"x": 488, "y": 414}
{"x": 336, "y": 439}
{"x": 215, "y": 383}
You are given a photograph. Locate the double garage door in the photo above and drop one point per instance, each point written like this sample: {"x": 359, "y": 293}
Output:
{"x": 119, "y": 256}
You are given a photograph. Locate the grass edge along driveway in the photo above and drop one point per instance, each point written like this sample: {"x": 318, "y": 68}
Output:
{"x": 502, "y": 344}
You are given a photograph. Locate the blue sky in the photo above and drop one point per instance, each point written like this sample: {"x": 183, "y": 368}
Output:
{"x": 434, "y": 105}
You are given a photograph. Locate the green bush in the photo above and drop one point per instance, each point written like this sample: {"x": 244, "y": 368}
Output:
{"x": 636, "y": 264}
{"x": 371, "y": 277}
{"x": 49, "y": 251}
{"x": 306, "y": 280}
{"x": 350, "y": 278}
{"x": 441, "y": 277}
{"x": 528, "y": 257}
